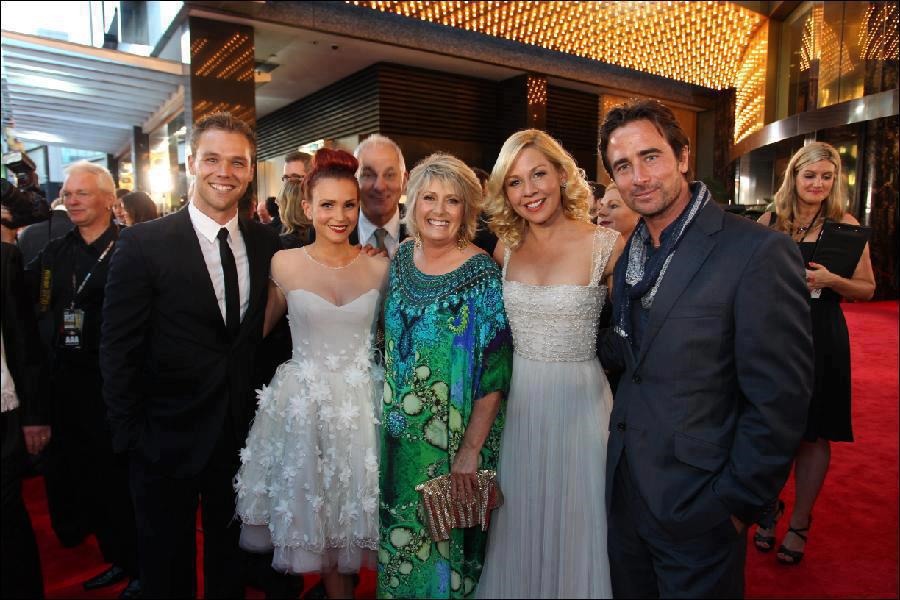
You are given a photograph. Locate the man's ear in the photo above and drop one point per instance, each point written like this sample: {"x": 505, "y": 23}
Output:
{"x": 684, "y": 162}
{"x": 191, "y": 164}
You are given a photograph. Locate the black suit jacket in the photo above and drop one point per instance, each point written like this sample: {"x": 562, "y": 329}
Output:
{"x": 171, "y": 372}
{"x": 21, "y": 345}
{"x": 712, "y": 407}
{"x": 35, "y": 237}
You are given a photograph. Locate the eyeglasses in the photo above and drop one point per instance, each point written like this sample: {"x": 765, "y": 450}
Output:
{"x": 293, "y": 178}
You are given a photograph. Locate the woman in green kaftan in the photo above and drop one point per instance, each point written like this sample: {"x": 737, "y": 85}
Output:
{"x": 448, "y": 358}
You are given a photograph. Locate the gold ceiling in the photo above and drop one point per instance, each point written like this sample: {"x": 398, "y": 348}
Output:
{"x": 702, "y": 43}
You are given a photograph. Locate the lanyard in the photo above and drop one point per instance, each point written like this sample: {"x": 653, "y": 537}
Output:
{"x": 91, "y": 272}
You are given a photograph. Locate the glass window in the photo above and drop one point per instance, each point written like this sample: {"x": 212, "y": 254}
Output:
{"x": 801, "y": 52}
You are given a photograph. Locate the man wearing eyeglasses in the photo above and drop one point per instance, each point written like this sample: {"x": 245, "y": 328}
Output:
{"x": 296, "y": 165}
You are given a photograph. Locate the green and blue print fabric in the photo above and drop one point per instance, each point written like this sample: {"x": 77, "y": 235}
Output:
{"x": 447, "y": 344}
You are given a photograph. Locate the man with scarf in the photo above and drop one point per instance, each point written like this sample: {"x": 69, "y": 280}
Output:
{"x": 711, "y": 328}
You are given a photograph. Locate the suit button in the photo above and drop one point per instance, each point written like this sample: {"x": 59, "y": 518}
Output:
{"x": 621, "y": 426}
{"x": 636, "y": 378}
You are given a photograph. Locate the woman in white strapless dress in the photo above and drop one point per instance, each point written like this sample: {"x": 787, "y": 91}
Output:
{"x": 549, "y": 539}
{"x": 308, "y": 482}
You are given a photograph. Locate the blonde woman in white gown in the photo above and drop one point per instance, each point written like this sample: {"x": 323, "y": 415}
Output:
{"x": 549, "y": 539}
{"x": 308, "y": 483}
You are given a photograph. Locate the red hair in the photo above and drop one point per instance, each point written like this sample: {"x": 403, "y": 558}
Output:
{"x": 330, "y": 164}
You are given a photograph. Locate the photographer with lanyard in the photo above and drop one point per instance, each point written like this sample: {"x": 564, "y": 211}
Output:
{"x": 67, "y": 281}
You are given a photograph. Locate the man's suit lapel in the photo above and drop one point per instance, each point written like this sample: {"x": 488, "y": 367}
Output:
{"x": 689, "y": 257}
{"x": 190, "y": 257}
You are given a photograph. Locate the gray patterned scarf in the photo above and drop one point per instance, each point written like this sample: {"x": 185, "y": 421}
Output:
{"x": 642, "y": 276}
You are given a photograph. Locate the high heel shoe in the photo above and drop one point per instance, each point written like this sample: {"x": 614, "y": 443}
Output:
{"x": 795, "y": 556}
{"x": 765, "y": 543}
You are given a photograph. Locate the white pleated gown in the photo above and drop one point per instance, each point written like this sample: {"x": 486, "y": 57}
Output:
{"x": 549, "y": 538}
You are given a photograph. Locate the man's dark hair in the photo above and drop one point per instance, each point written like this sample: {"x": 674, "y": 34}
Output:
{"x": 223, "y": 121}
{"x": 297, "y": 156}
{"x": 659, "y": 115}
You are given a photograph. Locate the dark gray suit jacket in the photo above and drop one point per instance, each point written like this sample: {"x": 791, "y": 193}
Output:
{"x": 712, "y": 407}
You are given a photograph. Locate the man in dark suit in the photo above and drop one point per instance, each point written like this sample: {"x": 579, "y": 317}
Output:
{"x": 184, "y": 311}
{"x": 33, "y": 238}
{"x": 382, "y": 177}
{"x": 711, "y": 327}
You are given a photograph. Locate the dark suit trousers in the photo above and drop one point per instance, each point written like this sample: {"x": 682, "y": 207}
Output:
{"x": 20, "y": 564}
{"x": 84, "y": 456}
{"x": 166, "y": 512}
{"x": 648, "y": 562}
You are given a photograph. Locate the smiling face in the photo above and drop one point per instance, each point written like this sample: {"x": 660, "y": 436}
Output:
{"x": 440, "y": 210}
{"x": 381, "y": 182}
{"x": 650, "y": 178}
{"x": 87, "y": 204}
{"x": 222, "y": 167}
{"x": 612, "y": 212}
{"x": 532, "y": 186}
{"x": 815, "y": 181}
{"x": 334, "y": 210}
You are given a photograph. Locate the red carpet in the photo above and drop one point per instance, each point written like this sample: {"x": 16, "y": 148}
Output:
{"x": 853, "y": 547}
{"x": 853, "y": 544}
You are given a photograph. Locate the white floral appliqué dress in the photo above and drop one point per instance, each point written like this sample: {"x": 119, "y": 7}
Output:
{"x": 308, "y": 483}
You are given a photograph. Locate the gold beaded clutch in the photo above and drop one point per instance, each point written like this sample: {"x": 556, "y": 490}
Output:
{"x": 442, "y": 514}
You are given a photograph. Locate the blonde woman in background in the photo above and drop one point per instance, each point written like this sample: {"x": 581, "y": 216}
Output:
{"x": 810, "y": 195}
{"x": 612, "y": 212}
{"x": 549, "y": 539}
{"x": 296, "y": 229}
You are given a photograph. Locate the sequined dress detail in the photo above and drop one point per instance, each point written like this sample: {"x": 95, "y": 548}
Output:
{"x": 549, "y": 539}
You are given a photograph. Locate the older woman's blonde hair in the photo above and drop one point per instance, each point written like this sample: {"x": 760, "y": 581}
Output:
{"x": 786, "y": 197}
{"x": 576, "y": 196}
{"x": 293, "y": 219}
{"x": 451, "y": 172}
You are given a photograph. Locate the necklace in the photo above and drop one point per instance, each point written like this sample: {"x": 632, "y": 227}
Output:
{"x": 802, "y": 230}
{"x": 321, "y": 264}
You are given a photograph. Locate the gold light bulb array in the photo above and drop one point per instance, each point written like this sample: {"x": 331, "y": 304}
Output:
{"x": 699, "y": 42}
{"x": 750, "y": 87}
{"x": 879, "y": 38}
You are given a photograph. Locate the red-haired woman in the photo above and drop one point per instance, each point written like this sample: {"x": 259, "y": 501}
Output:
{"x": 308, "y": 484}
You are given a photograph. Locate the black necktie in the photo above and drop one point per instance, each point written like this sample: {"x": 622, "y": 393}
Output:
{"x": 232, "y": 292}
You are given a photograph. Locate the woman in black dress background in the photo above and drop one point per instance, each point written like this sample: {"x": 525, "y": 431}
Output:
{"x": 811, "y": 194}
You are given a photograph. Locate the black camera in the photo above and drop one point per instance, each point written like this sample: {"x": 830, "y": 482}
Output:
{"x": 25, "y": 201}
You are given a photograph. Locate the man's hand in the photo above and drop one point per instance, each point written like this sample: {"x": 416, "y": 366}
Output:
{"x": 371, "y": 250}
{"x": 36, "y": 437}
{"x": 6, "y": 234}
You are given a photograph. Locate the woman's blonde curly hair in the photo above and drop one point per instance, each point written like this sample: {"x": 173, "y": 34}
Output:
{"x": 786, "y": 197}
{"x": 576, "y": 195}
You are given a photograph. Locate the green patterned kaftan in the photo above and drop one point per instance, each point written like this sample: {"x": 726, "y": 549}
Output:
{"x": 447, "y": 344}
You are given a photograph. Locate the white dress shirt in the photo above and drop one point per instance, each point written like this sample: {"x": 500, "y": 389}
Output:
{"x": 207, "y": 232}
{"x": 391, "y": 240}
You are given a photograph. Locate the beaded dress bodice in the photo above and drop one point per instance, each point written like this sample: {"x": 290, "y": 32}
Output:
{"x": 558, "y": 323}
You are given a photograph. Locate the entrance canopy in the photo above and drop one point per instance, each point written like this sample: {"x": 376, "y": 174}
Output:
{"x": 67, "y": 94}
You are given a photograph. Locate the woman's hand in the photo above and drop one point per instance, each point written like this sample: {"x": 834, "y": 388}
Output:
{"x": 463, "y": 481}
{"x": 818, "y": 277}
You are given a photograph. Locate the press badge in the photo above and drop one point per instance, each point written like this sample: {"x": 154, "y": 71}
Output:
{"x": 73, "y": 321}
